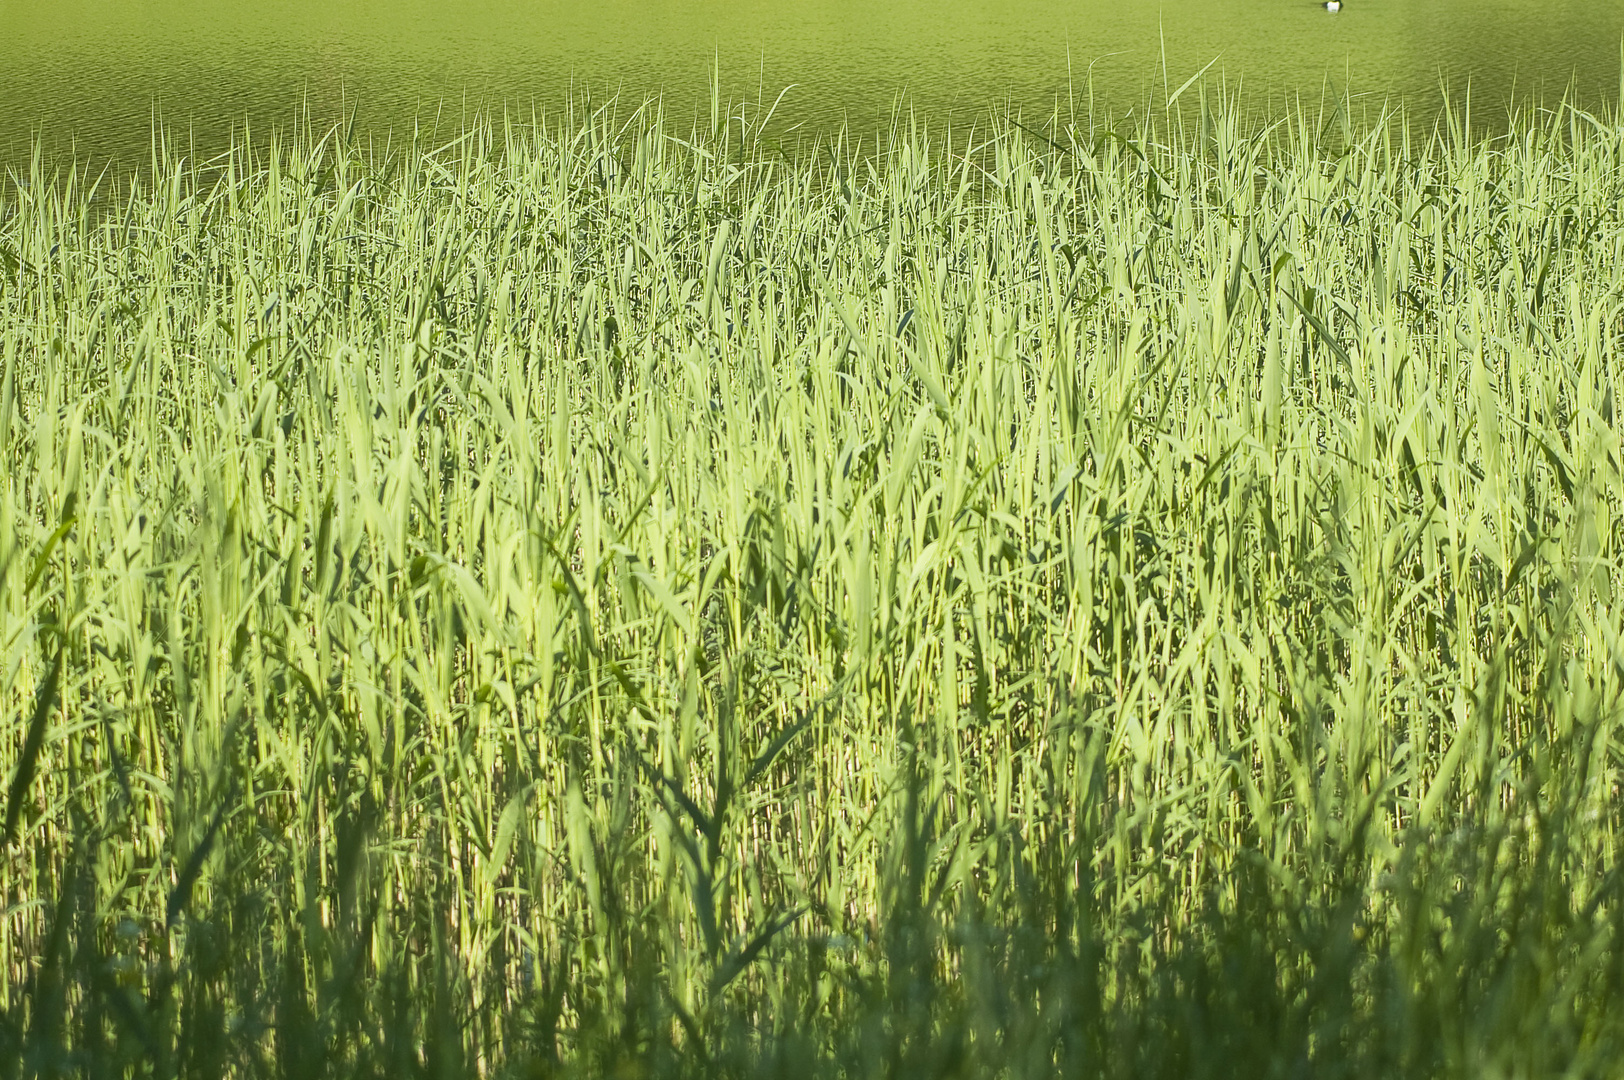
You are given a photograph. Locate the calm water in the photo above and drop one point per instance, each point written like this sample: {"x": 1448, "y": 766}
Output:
{"x": 93, "y": 72}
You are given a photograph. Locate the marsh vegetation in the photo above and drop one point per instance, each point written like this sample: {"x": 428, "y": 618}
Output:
{"x": 603, "y": 598}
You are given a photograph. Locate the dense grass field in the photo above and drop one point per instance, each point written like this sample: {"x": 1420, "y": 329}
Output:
{"x": 605, "y": 598}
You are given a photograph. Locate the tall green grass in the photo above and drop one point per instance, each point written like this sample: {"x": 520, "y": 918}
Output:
{"x": 586, "y": 599}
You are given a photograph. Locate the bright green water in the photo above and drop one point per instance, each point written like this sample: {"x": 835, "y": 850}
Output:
{"x": 93, "y": 71}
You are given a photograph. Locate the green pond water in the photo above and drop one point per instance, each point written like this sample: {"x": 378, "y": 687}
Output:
{"x": 91, "y": 74}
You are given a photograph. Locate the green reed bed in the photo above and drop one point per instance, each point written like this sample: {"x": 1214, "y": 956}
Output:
{"x": 594, "y": 599}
